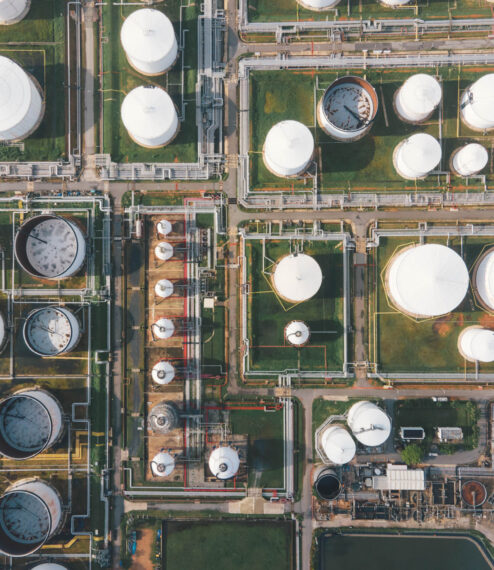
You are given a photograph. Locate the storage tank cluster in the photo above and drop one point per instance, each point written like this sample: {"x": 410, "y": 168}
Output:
{"x": 148, "y": 112}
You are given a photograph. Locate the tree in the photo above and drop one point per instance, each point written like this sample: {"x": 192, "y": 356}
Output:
{"x": 412, "y": 454}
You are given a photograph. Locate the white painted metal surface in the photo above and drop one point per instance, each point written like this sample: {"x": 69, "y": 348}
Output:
{"x": 418, "y": 97}
{"x": 224, "y": 462}
{"x": 288, "y": 148}
{"x": 338, "y": 445}
{"x": 417, "y": 156}
{"x": 297, "y": 277}
{"x": 369, "y": 424}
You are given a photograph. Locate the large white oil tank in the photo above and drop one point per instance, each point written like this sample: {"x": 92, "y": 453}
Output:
{"x": 288, "y": 149}
{"x": 369, "y": 424}
{"x": 318, "y": 5}
{"x": 469, "y": 160}
{"x": 13, "y": 11}
{"x": 338, "y": 445}
{"x": 50, "y": 247}
{"x": 297, "y": 277}
{"x": 163, "y": 288}
{"x": 30, "y": 422}
{"x": 163, "y": 328}
{"x": 162, "y": 464}
{"x": 484, "y": 280}
{"x": 418, "y": 98}
{"x": 49, "y": 566}
{"x": 348, "y": 108}
{"x": 30, "y": 513}
{"x": 163, "y": 372}
{"x": 51, "y": 331}
{"x": 427, "y": 280}
{"x": 21, "y": 103}
{"x": 224, "y": 462}
{"x": 163, "y": 418}
{"x": 163, "y": 251}
{"x": 150, "y": 117}
{"x": 477, "y": 104}
{"x": 476, "y": 344}
{"x": 297, "y": 333}
{"x": 394, "y": 3}
{"x": 417, "y": 156}
{"x": 148, "y": 39}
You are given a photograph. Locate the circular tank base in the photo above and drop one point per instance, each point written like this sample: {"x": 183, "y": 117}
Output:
{"x": 474, "y": 493}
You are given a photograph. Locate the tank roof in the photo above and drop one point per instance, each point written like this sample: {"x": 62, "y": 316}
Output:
{"x": 297, "y": 277}
{"x": 51, "y": 330}
{"x": 288, "y": 148}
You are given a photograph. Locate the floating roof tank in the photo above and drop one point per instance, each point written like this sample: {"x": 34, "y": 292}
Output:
{"x": 369, "y": 424}
{"x": 162, "y": 464}
{"x": 427, "y": 280}
{"x": 164, "y": 227}
{"x": 224, "y": 462}
{"x": 30, "y": 513}
{"x": 163, "y": 418}
{"x": 477, "y": 104}
{"x": 469, "y": 159}
{"x": 21, "y": 103}
{"x": 148, "y": 39}
{"x": 476, "y": 344}
{"x": 417, "y": 98}
{"x": 50, "y": 247}
{"x": 163, "y": 251}
{"x": 297, "y": 333}
{"x": 163, "y": 288}
{"x": 163, "y": 328}
{"x": 288, "y": 149}
{"x": 347, "y": 109}
{"x": 30, "y": 422}
{"x": 163, "y": 372}
{"x": 338, "y": 445}
{"x": 13, "y": 11}
{"x": 150, "y": 117}
{"x": 318, "y": 5}
{"x": 51, "y": 331}
{"x": 417, "y": 156}
{"x": 484, "y": 279}
{"x": 297, "y": 277}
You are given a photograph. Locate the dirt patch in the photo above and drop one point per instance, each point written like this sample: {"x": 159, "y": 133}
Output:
{"x": 487, "y": 321}
{"x": 141, "y": 560}
{"x": 442, "y": 326}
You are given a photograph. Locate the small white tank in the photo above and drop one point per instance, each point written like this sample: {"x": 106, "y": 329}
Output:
{"x": 49, "y": 566}
{"x": 417, "y": 156}
{"x": 163, "y": 251}
{"x": 162, "y": 464}
{"x": 297, "y": 333}
{"x": 476, "y": 344}
{"x": 318, "y": 5}
{"x": 224, "y": 462}
{"x": 164, "y": 227}
{"x": 469, "y": 159}
{"x": 163, "y": 288}
{"x": 338, "y": 445}
{"x": 163, "y": 372}
{"x": 13, "y": 11}
{"x": 418, "y": 98}
{"x": 163, "y": 328}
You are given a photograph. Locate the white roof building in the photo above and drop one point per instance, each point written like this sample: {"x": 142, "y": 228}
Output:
{"x": 427, "y": 280}
{"x": 224, "y": 462}
{"x": 417, "y": 156}
{"x": 469, "y": 159}
{"x": 163, "y": 251}
{"x": 163, "y": 288}
{"x": 164, "y": 227}
{"x": 318, "y": 5}
{"x": 400, "y": 478}
{"x": 477, "y": 104}
{"x": 21, "y": 105}
{"x": 484, "y": 280}
{"x": 417, "y": 98}
{"x": 369, "y": 424}
{"x": 476, "y": 344}
{"x": 297, "y": 277}
{"x": 12, "y": 11}
{"x": 162, "y": 464}
{"x": 150, "y": 117}
{"x": 338, "y": 445}
{"x": 51, "y": 331}
{"x": 163, "y": 328}
{"x": 288, "y": 148}
{"x": 297, "y": 333}
{"x": 163, "y": 372}
{"x": 148, "y": 39}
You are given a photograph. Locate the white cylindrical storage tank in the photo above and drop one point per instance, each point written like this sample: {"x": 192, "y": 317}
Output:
{"x": 49, "y": 566}
{"x": 30, "y": 513}
{"x": 427, "y": 280}
{"x": 163, "y": 328}
{"x": 163, "y": 418}
{"x": 297, "y": 277}
{"x": 288, "y": 149}
{"x": 394, "y": 3}
{"x": 297, "y": 333}
{"x": 162, "y": 464}
{"x": 163, "y": 251}
{"x": 477, "y": 104}
{"x": 50, "y": 247}
{"x": 469, "y": 159}
{"x": 163, "y": 288}
{"x": 164, "y": 227}
{"x": 150, "y": 117}
{"x": 417, "y": 156}
{"x": 21, "y": 104}
{"x": 418, "y": 98}
{"x": 3, "y": 332}
{"x": 148, "y": 39}
{"x": 338, "y": 445}
{"x": 13, "y": 11}
{"x": 348, "y": 108}
{"x": 30, "y": 422}
{"x": 369, "y": 424}
{"x": 163, "y": 372}
{"x": 318, "y": 5}
{"x": 476, "y": 344}
{"x": 224, "y": 462}
{"x": 51, "y": 331}
{"x": 484, "y": 280}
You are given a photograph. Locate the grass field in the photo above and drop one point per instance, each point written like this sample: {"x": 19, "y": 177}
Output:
{"x": 268, "y": 314}
{"x": 119, "y": 78}
{"x": 399, "y": 343}
{"x": 365, "y": 165}
{"x": 243, "y": 545}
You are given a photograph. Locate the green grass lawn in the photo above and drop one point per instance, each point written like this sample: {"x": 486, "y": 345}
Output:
{"x": 119, "y": 78}
{"x": 268, "y": 314}
{"x": 229, "y": 544}
{"x": 365, "y": 165}
{"x": 399, "y": 343}
{"x": 213, "y": 340}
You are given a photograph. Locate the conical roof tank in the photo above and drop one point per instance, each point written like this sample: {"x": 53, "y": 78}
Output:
{"x": 417, "y": 156}
{"x": 150, "y": 117}
{"x": 338, "y": 445}
{"x": 476, "y": 344}
{"x": 297, "y": 277}
{"x": 477, "y": 104}
{"x": 148, "y": 39}
{"x": 417, "y": 98}
{"x": 369, "y": 424}
{"x": 21, "y": 105}
{"x": 288, "y": 149}
{"x": 13, "y": 11}
{"x": 318, "y": 5}
{"x": 469, "y": 159}
{"x": 224, "y": 462}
